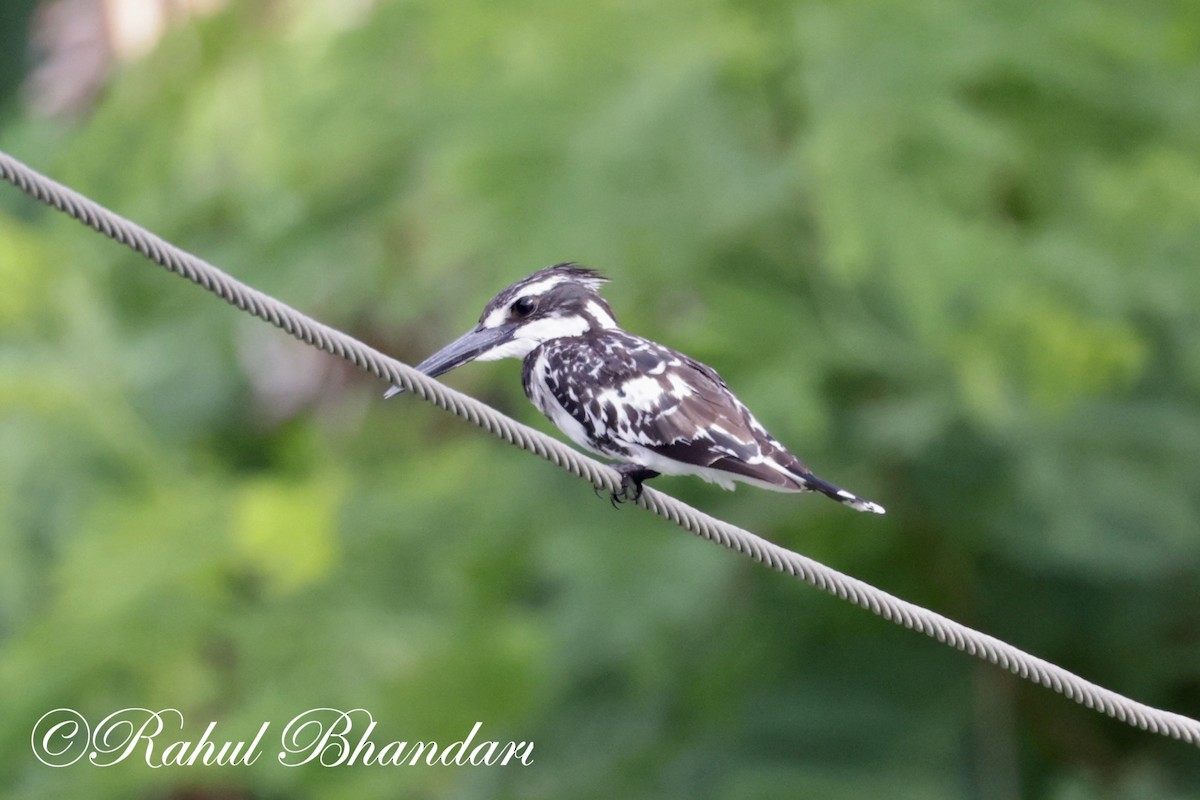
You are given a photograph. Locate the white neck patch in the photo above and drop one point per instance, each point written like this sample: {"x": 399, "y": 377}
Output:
{"x": 601, "y": 315}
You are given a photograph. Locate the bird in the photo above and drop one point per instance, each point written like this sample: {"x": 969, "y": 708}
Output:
{"x": 651, "y": 409}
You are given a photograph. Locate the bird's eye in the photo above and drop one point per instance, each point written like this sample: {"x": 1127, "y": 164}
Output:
{"x": 523, "y": 306}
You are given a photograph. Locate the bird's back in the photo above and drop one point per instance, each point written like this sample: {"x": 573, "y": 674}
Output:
{"x": 631, "y": 398}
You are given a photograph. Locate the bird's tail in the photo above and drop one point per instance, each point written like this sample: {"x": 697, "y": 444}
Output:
{"x": 839, "y": 494}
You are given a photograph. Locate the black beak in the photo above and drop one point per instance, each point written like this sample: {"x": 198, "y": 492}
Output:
{"x": 465, "y": 348}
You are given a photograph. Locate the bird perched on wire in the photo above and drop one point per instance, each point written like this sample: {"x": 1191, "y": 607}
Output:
{"x": 652, "y": 409}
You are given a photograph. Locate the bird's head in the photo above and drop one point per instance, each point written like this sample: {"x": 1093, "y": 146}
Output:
{"x": 552, "y": 303}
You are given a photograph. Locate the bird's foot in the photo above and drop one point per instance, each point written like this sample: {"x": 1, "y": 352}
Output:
{"x": 632, "y": 476}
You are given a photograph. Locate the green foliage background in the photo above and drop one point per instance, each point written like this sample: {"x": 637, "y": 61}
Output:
{"x": 946, "y": 250}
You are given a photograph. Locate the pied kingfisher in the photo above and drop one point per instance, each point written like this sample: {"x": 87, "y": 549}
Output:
{"x": 627, "y": 398}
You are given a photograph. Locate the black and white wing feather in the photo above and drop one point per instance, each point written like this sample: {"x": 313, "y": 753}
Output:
{"x": 632, "y": 399}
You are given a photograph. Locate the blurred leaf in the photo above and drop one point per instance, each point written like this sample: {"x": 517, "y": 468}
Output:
{"x": 285, "y": 532}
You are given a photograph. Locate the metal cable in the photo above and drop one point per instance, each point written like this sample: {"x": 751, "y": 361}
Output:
{"x": 601, "y": 476}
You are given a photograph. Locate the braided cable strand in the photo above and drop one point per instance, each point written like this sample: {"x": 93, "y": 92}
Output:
{"x": 599, "y": 475}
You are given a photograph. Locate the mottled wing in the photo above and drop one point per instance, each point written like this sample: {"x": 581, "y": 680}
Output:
{"x": 712, "y": 428}
{"x": 649, "y": 395}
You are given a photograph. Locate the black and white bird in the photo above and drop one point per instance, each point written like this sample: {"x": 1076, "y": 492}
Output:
{"x": 652, "y": 409}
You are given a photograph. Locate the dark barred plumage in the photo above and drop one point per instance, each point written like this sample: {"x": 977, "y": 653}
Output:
{"x": 650, "y": 407}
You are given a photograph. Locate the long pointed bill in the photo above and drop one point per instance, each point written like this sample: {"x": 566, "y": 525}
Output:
{"x": 467, "y": 347}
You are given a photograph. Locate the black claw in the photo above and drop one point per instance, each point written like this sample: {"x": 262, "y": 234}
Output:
{"x": 632, "y": 476}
